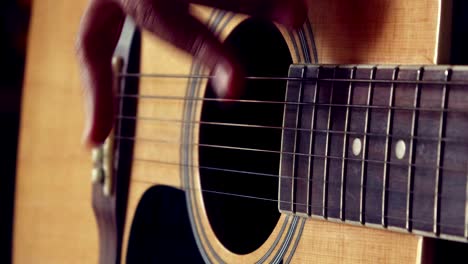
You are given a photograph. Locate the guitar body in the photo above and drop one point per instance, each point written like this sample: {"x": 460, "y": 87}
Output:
{"x": 53, "y": 217}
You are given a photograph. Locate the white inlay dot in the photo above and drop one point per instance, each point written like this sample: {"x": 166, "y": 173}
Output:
{"x": 400, "y": 149}
{"x": 357, "y": 146}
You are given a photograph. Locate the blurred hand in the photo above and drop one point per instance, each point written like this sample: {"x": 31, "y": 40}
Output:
{"x": 170, "y": 20}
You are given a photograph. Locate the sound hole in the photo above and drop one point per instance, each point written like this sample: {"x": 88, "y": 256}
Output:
{"x": 242, "y": 207}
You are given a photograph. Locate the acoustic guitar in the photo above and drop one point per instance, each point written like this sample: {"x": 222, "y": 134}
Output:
{"x": 348, "y": 145}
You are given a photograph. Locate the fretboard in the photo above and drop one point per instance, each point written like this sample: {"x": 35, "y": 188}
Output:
{"x": 381, "y": 146}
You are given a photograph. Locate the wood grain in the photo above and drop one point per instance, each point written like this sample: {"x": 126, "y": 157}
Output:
{"x": 406, "y": 36}
{"x": 53, "y": 215}
{"x": 54, "y": 222}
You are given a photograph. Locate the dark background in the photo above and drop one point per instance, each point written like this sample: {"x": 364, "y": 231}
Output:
{"x": 14, "y": 22}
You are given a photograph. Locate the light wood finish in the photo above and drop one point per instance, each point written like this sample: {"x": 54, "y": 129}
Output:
{"x": 54, "y": 222}
{"x": 399, "y": 32}
{"x": 365, "y": 32}
{"x": 53, "y": 210}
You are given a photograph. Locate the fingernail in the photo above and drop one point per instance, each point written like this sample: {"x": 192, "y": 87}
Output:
{"x": 86, "y": 134}
{"x": 222, "y": 72}
{"x": 85, "y": 137}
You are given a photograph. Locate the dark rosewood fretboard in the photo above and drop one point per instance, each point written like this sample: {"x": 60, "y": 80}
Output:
{"x": 383, "y": 146}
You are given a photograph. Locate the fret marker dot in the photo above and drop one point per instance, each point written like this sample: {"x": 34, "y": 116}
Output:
{"x": 357, "y": 146}
{"x": 400, "y": 149}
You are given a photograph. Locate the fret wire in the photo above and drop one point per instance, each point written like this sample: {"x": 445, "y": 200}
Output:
{"x": 345, "y": 139}
{"x": 325, "y": 161}
{"x": 362, "y": 206}
{"x": 387, "y": 149}
{"x": 298, "y": 124}
{"x": 275, "y": 176}
{"x": 350, "y": 133}
{"x": 289, "y": 153}
{"x": 409, "y": 188}
{"x": 227, "y": 100}
{"x": 280, "y": 78}
{"x": 311, "y": 144}
{"x": 439, "y": 155}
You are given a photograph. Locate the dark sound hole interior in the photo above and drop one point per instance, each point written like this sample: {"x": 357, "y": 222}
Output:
{"x": 243, "y": 224}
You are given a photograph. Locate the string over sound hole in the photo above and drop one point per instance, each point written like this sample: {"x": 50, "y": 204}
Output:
{"x": 240, "y": 220}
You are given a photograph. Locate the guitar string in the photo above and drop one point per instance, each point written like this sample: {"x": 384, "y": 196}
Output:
{"x": 312, "y": 180}
{"x": 404, "y": 165}
{"x": 329, "y": 105}
{"x": 226, "y": 100}
{"x": 368, "y": 216}
{"x": 258, "y": 126}
{"x": 240, "y": 125}
{"x": 280, "y": 78}
{"x": 319, "y": 180}
{"x": 319, "y": 156}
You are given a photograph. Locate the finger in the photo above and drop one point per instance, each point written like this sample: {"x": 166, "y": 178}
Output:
{"x": 171, "y": 21}
{"x": 99, "y": 32}
{"x": 291, "y": 13}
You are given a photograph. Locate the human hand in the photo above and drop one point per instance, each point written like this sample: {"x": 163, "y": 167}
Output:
{"x": 170, "y": 20}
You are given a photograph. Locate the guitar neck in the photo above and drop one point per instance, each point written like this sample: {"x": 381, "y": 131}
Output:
{"x": 379, "y": 146}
